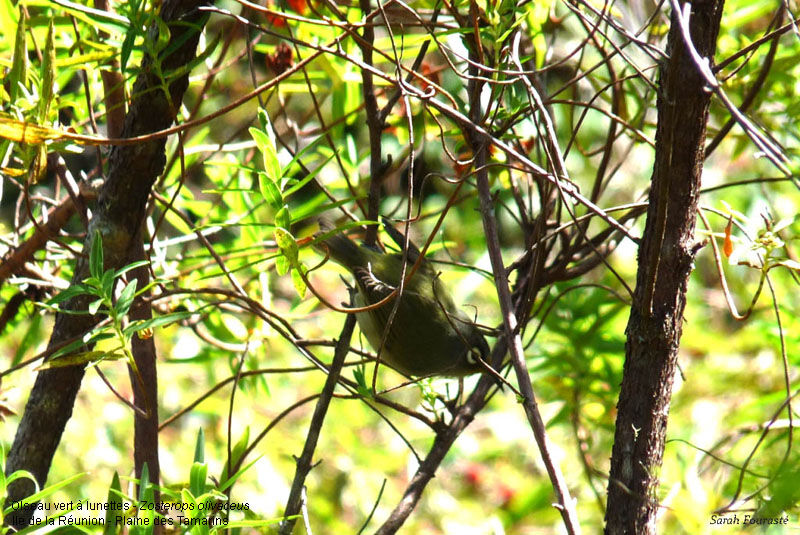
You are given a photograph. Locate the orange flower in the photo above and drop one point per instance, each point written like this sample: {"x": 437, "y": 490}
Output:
{"x": 727, "y": 244}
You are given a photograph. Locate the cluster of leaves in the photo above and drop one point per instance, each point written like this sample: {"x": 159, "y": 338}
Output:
{"x": 99, "y": 288}
{"x": 200, "y": 504}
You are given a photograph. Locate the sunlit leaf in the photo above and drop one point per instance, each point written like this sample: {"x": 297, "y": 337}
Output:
{"x": 126, "y": 298}
{"x": 33, "y": 134}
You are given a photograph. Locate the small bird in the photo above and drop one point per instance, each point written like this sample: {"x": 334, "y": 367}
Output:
{"x": 428, "y": 334}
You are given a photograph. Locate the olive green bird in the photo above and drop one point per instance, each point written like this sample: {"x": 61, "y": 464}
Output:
{"x": 428, "y": 335}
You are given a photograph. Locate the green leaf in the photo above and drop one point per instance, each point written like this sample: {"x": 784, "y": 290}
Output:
{"x": 162, "y": 40}
{"x": 287, "y": 245}
{"x": 19, "y": 474}
{"x": 360, "y": 376}
{"x": 146, "y": 496}
{"x": 144, "y": 482}
{"x": 95, "y": 305}
{"x": 45, "y": 492}
{"x": 269, "y": 154}
{"x": 236, "y": 454}
{"x": 19, "y": 65}
{"x": 282, "y": 266}
{"x": 159, "y": 321}
{"x": 298, "y": 282}
{"x": 200, "y": 446}
{"x": 127, "y": 47}
{"x": 109, "y": 19}
{"x": 308, "y": 178}
{"x": 265, "y": 141}
{"x": 270, "y": 191}
{"x": 47, "y": 75}
{"x": 107, "y": 283}
{"x": 261, "y": 139}
{"x": 80, "y": 359}
{"x": 126, "y": 298}
{"x": 283, "y": 218}
{"x": 231, "y": 480}
{"x": 197, "y": 478}
{"x": 95, "y": 285}
{"x": 317, "y": 206}
{"x": 72, "y": 346}
{"x": 188, "y": 497}
{"x": 94, "y": 336}
{"x": 263, "y": 120}
{"x": 125, "y": 269}
{"x": 98, "y": 335}
{"x": 67, "y": 294}
{"x": 114, "y": 505}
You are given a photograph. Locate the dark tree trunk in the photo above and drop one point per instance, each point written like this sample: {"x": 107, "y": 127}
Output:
{"x": 145, "y": 387}
{"x": 121, "y": 209}
{"x": 666, "y": 258}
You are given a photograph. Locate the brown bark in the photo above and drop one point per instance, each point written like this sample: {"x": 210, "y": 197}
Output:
{"x": 145, "y": 387}
{"x": 118, "y": 217}
{"x": 666, "y": 258}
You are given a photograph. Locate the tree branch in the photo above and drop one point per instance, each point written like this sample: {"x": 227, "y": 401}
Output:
{"x": 665, "y": 261}
{"x": 121, "y": 208}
